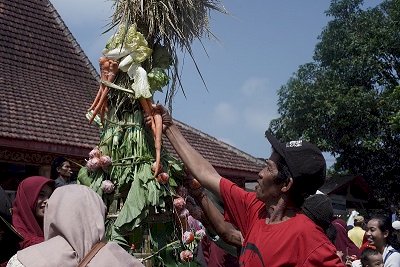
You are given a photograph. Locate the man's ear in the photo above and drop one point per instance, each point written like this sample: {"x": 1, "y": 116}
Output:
{"x": 286, "y": 186}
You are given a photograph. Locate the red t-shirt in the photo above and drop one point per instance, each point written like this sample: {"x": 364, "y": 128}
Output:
{"x": 294, "y": 242}
{"x": 214, "y": 256}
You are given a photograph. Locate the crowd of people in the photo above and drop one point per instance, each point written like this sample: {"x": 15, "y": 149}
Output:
{"x": 54, "y": 232}
{"x": 284, "y": 222}
{"x": 280, "y": 223}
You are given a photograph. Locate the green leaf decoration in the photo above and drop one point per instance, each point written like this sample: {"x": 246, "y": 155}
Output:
{"x": 153, "y": 193}
{"x": 96, "y": 184}
{"x": 84, "y": 177}
{"x": 132, "y": 212}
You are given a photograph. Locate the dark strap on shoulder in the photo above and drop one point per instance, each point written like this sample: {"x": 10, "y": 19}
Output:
{"x": 85, "y": 261}
{"x": 390, "y": 252}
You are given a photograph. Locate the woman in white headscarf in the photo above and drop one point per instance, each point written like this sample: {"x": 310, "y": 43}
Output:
{"x": 73, "y": 224}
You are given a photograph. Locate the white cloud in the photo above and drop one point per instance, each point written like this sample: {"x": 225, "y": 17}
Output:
{"x": 254, "y": 86}
{"x": 225, "y": 114}
{"x": 88, "y": 10}
{"x": 258, "y": 104}
{"x": 256, "y": 118}
{"x": 87, "y": 20}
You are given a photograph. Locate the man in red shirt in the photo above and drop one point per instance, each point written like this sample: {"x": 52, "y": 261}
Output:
{"x": 275, "y": 231}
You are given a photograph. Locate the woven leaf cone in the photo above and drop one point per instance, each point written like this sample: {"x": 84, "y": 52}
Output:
{"x": 148, "y": 35}
{"x": 173, "y": 23}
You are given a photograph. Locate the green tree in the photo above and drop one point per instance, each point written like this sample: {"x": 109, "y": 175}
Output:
{"x": 348, "y": 99}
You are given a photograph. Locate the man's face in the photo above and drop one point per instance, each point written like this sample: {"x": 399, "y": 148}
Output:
{"x": 65, "y": 170}
{"x": 267, "y": 189}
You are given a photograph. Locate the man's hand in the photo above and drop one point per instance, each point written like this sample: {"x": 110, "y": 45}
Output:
{"x": 194, "y": 187}
{"x": 159, "y": 109}
{"x": 166, "y": 117}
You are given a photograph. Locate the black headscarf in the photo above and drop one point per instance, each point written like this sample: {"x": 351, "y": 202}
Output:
{"x": 9, "y": 241}
{"x": 5, "y": 205}
{"x": 319, "y": 209}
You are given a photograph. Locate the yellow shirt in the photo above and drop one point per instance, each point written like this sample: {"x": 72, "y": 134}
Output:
{"x": 356, "y": 234}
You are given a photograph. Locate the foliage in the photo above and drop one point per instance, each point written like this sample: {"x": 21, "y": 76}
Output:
{"x": 347, "y": 99}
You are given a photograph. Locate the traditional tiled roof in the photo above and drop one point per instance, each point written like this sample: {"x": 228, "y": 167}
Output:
{"x": 47, "y": 84}
{"x": 219, "y": 154}
{"x": 337, "y": 183}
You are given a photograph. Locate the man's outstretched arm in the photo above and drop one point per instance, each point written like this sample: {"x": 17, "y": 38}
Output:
{"x": 194, "y": 162}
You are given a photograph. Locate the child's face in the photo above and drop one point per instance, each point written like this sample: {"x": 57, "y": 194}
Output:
{"x": 375, "y": 261}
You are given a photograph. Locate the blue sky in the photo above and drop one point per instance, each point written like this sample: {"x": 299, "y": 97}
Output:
{"x": 261, "y": 44}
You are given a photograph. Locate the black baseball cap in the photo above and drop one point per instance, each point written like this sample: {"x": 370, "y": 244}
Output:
{"x": 305, "y": 162}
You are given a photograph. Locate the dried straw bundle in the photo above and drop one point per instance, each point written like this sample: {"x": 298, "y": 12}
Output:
{"x": 174, "y": 24}
{"x": 177, "y": 22}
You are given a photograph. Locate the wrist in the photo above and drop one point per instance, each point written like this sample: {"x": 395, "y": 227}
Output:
{"x": 198, "y": 194}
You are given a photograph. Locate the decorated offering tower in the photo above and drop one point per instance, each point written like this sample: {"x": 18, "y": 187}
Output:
{"x": 138, "y": 180}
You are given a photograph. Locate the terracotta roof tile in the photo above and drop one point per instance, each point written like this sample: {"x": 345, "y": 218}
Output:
{"x": 47, "y": 81}
{"x": 219, "y": 154}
